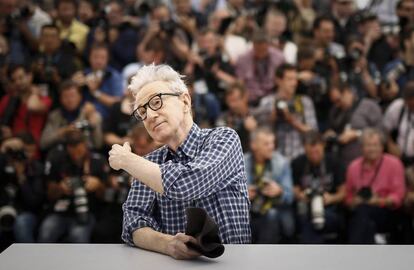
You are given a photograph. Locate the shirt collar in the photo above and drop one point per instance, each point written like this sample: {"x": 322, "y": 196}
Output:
{"x": 189, "y": 147}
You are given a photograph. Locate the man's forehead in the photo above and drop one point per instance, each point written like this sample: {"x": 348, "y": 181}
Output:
{"x": 150, "y": 90}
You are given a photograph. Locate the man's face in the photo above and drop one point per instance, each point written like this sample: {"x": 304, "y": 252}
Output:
{"x": 236, "y": 101}
{"x": 275, "y": 25}
{"x": 99, "y": 59}
{"x": 347, "y": 99}
{"x": 288, "y": 83}
{"x": 182, "y": 6}
{"x": 208, "y": 42}
{"x": 115, "y": 14}
{"x": 315, "y": 152}
{"x": 263, "y": 146}
{"x": 344, "y": 9}
{"x": 77, "y": 152}
{"x": 372, "y": 147}
{"x": 260, "y": 50}
{"x": 161, "y": 14}
{"x": 70, "y": 99}
{"x": 325, "y": 34}
{"x": 66, "y": 12}
{"x": 21, "y": 79}
{"x": 164, "y": 123}
{"x": 50, "y": 39}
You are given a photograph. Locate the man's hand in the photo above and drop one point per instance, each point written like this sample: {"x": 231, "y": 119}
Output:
{"x": 252, "y": 189}
{"x": 178, "y": 249}
{"x": 92, "y": 183}
{"x": 272, "y": 189}
{"x": 119, "y": 155}
{"x": 250, "y": 123}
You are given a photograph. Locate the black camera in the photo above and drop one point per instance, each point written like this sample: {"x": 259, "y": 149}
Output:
{"x": 365, "y": 193}
{"x": 168, "y": 26}
{"x": 80, "y": 199}
{"x": 15, "y": 154}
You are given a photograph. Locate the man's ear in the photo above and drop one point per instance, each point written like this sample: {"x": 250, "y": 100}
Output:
{"x": 187, "y": 102}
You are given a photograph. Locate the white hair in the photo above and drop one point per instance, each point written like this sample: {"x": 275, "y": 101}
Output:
{"x": 151, "y": 73}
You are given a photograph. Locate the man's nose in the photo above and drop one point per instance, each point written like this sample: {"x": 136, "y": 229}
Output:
{"x": 151, "y": 113}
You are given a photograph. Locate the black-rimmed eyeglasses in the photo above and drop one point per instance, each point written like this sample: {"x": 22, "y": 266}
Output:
{"x": 154, "y": 103}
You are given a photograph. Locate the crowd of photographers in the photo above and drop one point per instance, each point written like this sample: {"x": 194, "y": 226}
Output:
{"x": 321, "y": 94}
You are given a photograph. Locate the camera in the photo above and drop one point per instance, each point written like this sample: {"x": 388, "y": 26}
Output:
{"x": 317, "y": 207}
{"x": 83, "y": 125}
{"x": 80, "y": 199}
{"x": 15, "y": 154}
{"x": 393, "y": 74}
{"x": 168, "y": 26}
{"x": 262, "y": 204}
{"x": 118, "y": 195}
{"x": 365, "y": 193}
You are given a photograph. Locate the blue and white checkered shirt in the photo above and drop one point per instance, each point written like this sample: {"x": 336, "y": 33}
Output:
{"x": 206, "y": 171}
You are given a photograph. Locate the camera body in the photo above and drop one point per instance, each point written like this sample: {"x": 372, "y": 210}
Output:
{"x": 168, "y": 26}
{"x": 365, "y": 193}
{"x": 80, "y": 199}
{"x": 83, "y": 125}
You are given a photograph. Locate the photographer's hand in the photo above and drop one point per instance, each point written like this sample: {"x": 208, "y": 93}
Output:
{"x": 250, "y": 123}
{"x": 92, "y": 183}
{"x": 252, "y": 190}
{"x": 272, "y": 189}
{"x": 356, "y": 200}
{"x": 65, "y": 186}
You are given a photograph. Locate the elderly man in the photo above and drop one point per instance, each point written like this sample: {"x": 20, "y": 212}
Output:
{"x": 375, "y": 189}
{"x": 195, "y": 167}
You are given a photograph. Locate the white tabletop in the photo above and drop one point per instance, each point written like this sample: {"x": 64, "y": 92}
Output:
{"x": 252, "y": 257}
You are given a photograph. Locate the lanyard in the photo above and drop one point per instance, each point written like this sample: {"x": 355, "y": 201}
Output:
{"x": 373, "y": 178}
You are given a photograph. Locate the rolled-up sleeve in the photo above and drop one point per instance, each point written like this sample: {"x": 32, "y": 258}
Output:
{"x": 210, "y": 171}
{"x": 138, "y": 211}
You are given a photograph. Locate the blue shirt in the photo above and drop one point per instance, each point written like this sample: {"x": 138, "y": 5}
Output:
{"x": 206, "y": 171}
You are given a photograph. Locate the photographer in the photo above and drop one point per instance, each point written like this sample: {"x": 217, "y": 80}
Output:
{"x": 24, "y": 109}
{"x": 71, "y": 30}
{"x": 401, "y": 70}
{"x": 290, "y": 114}
{"x": 347, "y": 118}
{"x": 14, "y": 25}
{"x": 212, "y": 73}
{"x": 398, "y": 123}
{"x": 21, "y": 188}
{"x": 54, "y": 63}
{"x": 162, "y": 25}
{"x": 270, "y": 190}
{"x": 239, "y": 115}
{"x": 72, "y": 115}
{"x": 101, "y": 84}
{"x": 375, "y": 189}
{"x": 362, "y": 75}
{"x": 319, "y": 190}
{"x": 75, "y": 185}
{"x": 256, "y": 68}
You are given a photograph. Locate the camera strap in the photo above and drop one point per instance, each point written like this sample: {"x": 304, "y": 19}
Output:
{"x": 374, "y": 177}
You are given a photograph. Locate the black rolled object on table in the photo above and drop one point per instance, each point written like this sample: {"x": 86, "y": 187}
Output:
{"x": 203, "y": 228}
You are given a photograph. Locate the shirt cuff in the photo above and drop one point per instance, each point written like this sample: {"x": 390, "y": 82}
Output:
{"x": 141, "y": 222}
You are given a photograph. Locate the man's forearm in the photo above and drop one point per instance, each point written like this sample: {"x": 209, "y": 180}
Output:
{"x": 148, "y": 238}
{"x": 145, "y": 171}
